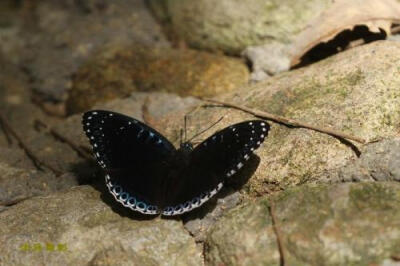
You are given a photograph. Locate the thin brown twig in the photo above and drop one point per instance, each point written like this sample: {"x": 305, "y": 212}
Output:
{"x": 31, "y": 155}
{"x": 81, "y": 152}
{"x": 277, "y": 233}
{"x": 287, "y": 121}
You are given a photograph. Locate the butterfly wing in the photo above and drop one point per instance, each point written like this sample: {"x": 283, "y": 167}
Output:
{"x": 212, "y": 161}
{"x": 134, "y": 156}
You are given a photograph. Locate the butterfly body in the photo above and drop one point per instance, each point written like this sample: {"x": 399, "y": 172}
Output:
{"x": 145, "y": 172}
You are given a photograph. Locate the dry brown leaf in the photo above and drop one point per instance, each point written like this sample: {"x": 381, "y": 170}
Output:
{"x": 345, "y": 15}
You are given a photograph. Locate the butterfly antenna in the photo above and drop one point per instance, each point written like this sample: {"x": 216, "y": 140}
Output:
{"x": 184, "y": 126}
{"x": 181, "y": 141}
{"x": 201, "y": 132}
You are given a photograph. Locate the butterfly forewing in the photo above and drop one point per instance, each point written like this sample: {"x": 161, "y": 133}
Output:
{"x": 212, "y": 161}
{"x": 135, "y": 157}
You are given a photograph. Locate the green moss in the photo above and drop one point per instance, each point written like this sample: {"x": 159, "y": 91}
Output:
{"x": 374, "y": 196}
{"x": 302, "y": 201}
{"x": 335, "y": 88}
{"x": 354, "y": 78}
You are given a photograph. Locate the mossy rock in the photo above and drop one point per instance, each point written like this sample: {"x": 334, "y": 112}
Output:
{"x": 356, "y": 92}
{"x": 90, "y": 232}
{"x": 352, "y": 224}
{"x": 231, "y": 26}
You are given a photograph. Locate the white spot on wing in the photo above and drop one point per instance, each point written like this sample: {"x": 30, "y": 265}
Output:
{"x": 126, "y": 199}
{"x": 194, "y": 203}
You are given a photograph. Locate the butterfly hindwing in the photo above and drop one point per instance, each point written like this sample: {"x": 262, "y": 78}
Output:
{"x": 134, "y": 156}
{"x": 214, "y": 160}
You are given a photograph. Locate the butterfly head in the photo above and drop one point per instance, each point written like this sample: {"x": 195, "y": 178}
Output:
{"x": 186, "y": 147}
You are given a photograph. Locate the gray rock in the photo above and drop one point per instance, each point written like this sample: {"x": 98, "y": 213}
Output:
{"x": 267, "y": 60}
{"x": 19, "y": 184}
{"x": 199, "y": 221}
{"x": 16, "y": 158}
{"x": 64, "y": 34}
{"x": 379, "y": 161}
{"x": 21, "y": 113}
{"x": 89, "y": 232}
{"x": 231, "y": 26}
{"x": 352, "y": 223}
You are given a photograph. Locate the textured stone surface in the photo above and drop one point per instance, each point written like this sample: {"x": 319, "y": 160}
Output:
{"x": 355, "y": 92}
{"x": 118, "y": 70}
{"x": 91, "y": 233}
{"x": 53, "y": 38}
{"x": 15, "y": 101}
{"x": 379, "y": 161}
{"x": 355, "y": 224}
{"x": 267, "y": 60}
{"x": 21, "y": 113}
{"x": 200, "y": 220}
{"x": 232, "y": 25}
{"x": 17, "y": 184}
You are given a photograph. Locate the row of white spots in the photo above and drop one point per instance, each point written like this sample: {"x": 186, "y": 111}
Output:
{"x": 238, "y": 166}
{"x": 191, "y": 204}
{"x": 127, "y": 200}
{"x": 92, "y": 138}
{"x": 247, "y": 156}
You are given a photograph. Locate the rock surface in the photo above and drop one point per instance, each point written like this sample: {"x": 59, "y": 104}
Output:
{"x": 319, "y": 225}
{"x": 334, "y": 201}
{"x": 231, "y": 26}
{"x": 19, "y": 184}
{"x": 117, "y": 71}
{"x": 56, "y": 38}
{"x": 355, "y": 92}
{"x": 90, "y": 233}
{"x": 379, "y": 161}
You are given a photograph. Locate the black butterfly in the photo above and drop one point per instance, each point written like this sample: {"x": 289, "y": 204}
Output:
{"x": 147, "y": 174}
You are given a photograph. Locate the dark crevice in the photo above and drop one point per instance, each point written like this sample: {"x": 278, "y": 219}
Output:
{"x": 344, "y": 40}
